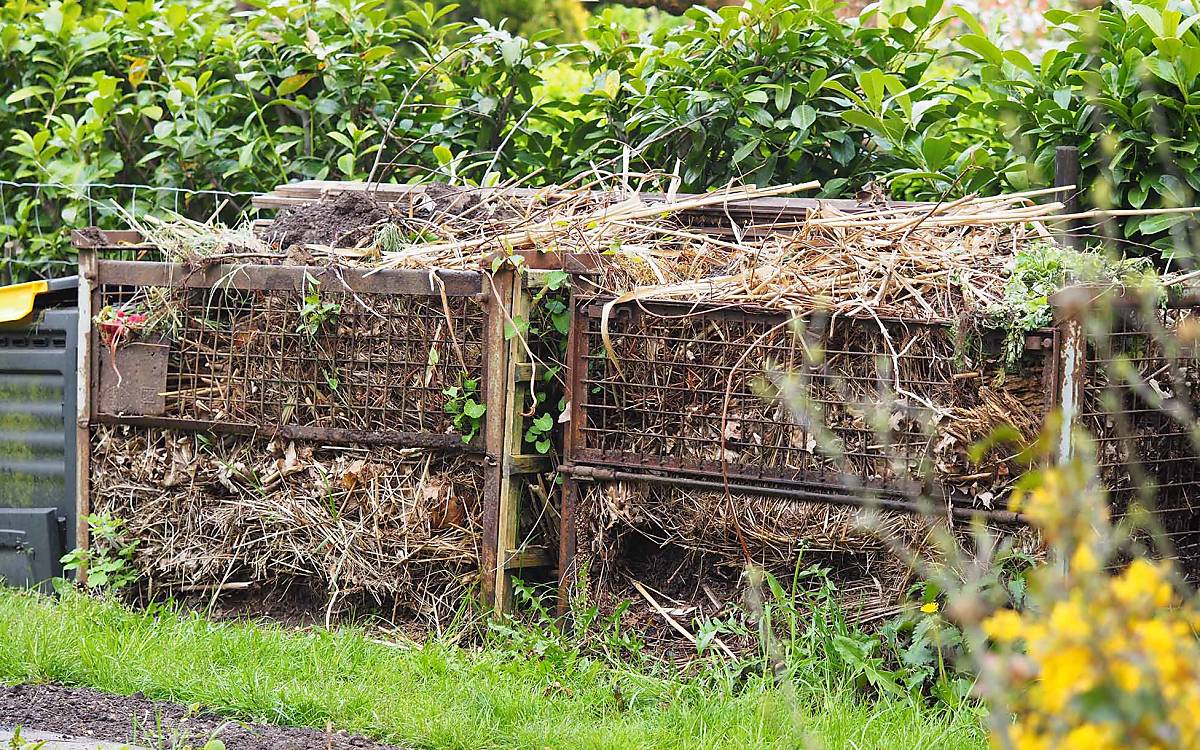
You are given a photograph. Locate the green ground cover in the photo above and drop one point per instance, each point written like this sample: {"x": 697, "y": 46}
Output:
{"x": 504, "y": 694}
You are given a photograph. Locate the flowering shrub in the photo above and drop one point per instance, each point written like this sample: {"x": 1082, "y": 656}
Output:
{"x": 1097, "y": 659}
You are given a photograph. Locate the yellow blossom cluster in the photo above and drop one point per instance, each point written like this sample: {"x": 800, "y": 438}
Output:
{"x": 1102, "y": 656}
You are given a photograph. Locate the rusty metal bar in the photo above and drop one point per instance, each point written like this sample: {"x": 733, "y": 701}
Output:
{"x": 449, "y": 442}
{"x": 793, "y": 493}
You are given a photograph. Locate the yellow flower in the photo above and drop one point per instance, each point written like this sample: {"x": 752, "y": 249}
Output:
{"x": 1163, "y": 649}
{"x": 1023, "y": 738}
{"x": 1005, "y": 626}
{"x": 929, "y": 608}
{"x": 1065, "y": 673}
{"x": 1069, "y": 620}
{"x": 1127, "y": 675}
{"x": 1142, "y": 580}
{"x": 1089, "y": 737}
{"x": 1084, "y": 560}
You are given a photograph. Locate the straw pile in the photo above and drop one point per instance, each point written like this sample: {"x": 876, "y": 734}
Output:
{"x": 681, "y": 554}
{"x": 398, "y": 529}
{"x": 684, "y": 548}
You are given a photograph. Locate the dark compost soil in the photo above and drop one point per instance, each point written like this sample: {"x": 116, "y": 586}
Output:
{"x": 136, "y": 719}
{"x": 346, "y": 219}
{"x": 342, "y": 220}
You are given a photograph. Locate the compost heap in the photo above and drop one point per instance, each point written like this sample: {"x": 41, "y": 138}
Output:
{"x": 909, "y": 289}
{"x": 397, "y": 529}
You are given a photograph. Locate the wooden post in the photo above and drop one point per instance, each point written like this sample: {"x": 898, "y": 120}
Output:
{"x": 1070, "y": 306}
{"x": 1066, "y": 172}
{"x": 84, "y": 380}
{"x": 517, "y": 465}
{"x": 497, "y": 290}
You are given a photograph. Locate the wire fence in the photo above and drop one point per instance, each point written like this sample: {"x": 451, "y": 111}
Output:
{"x": 36, "y": 217}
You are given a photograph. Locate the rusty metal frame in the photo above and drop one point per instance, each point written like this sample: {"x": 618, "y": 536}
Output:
{"x": 578, "y": 452}
{"x": 584, "y": 464}
{"x": 260, "y": 278}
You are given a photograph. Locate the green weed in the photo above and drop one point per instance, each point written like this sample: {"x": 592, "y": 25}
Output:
{"x": 438, "y": 695}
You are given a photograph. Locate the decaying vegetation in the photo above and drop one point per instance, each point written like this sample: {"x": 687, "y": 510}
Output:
{"x": 868, "y": 348}
{"x": 396, "y": 529}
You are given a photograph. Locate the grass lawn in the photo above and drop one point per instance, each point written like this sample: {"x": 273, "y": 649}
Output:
{"x": 439, "y": 695}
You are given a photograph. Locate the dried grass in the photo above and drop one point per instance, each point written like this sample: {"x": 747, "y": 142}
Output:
{"x": 401, "y": 528}
{"x": 687, "y": 545}
{"x": 690, "y": 548}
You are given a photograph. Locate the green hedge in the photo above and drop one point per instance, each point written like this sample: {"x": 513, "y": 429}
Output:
{"x": 198, "y": 96}
{"x": 1124, "y": 88}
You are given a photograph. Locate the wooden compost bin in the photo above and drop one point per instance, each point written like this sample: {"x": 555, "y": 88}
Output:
{"x": 263, "y": 426}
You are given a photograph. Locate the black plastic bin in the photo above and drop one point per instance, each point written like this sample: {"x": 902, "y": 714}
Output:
{"x": 37, "y": 429}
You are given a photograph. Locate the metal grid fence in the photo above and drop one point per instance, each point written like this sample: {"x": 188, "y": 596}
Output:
{"x": 1139, "y": 399}
{"x": 391, "y": 356}
{"x": 686, "y": 388}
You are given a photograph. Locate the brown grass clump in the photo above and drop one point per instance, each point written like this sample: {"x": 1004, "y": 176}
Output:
{"x": 397, "y": 527}
{"x": 688, "y": 550}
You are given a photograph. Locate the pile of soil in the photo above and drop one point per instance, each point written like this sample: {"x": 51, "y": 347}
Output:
{"x": 84, "y": 712}
{"x": 342, "y": 220}
{"x": 345, "y": 219}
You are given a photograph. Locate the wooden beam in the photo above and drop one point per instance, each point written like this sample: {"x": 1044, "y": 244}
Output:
{"x": 527, "y": 557}
{"x": 84, "y": 377}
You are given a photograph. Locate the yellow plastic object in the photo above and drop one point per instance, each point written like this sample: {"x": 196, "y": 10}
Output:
{"x": 16, "y": 301}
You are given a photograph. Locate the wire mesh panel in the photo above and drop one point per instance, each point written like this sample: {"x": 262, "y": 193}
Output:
{"x": 396, "y": 356}
{"x": 851, "y": 403}
{"x": 1139, "y": 401}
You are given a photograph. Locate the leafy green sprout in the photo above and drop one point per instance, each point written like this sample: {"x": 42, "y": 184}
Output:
{"x": 109, "y": 561}
{"x": 462, "y": 403}
{"x": 315, "y": 313}
{"x": 1043, "y": 269}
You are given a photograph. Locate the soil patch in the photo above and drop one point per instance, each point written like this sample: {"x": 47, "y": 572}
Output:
{"x": 341, "y": 221}
{"x": 352, "y": 218}
{"x": 90, "y": 237}
{"x": 139, "y": 720}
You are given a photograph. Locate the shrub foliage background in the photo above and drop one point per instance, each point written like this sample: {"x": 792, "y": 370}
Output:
{"x": 203, "y": 96}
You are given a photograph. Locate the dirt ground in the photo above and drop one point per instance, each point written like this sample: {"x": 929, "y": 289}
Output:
{"x": 139, "y": 720}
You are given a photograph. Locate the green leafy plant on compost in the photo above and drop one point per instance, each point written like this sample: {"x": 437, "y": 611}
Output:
{"x": 109, "y": 561}
{"x": 1045, "y": 268}
{"x": 1123, "y": 89}
{"x": 315, "y": 313}
{"x": 464, "y": 406}
{"x": 545, "y": 334}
